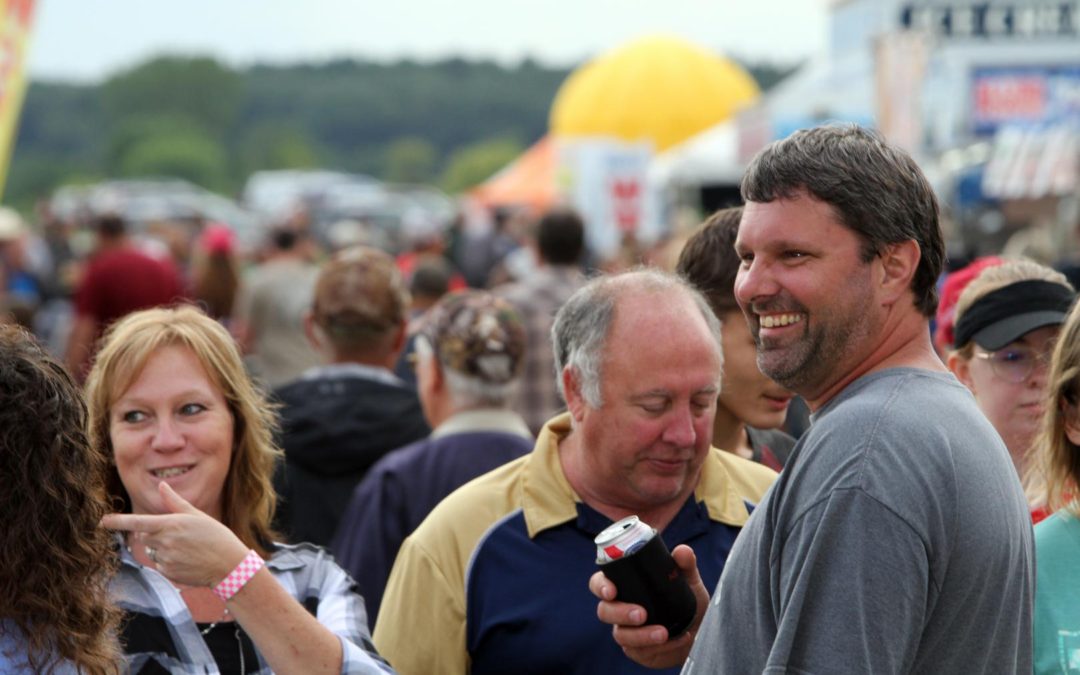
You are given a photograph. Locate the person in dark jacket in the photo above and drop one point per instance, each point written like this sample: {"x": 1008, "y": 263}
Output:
{"x": 340, "y": 418}
{"x": 470, "y": 352}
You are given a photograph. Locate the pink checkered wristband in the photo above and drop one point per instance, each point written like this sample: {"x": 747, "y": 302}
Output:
{"x": 232, "y": 584}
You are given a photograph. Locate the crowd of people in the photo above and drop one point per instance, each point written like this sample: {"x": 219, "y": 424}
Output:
{"x": 344, "y": 461}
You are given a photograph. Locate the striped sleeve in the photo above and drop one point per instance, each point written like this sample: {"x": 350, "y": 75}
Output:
{"x": 330, "y": 594}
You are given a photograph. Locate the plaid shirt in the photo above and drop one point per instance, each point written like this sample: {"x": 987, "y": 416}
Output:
{"x": 13, "y": 654}
{"x": 307, "y": 572}
{"x": 538, "y": 298}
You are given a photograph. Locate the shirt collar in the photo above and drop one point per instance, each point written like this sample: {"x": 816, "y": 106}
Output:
{"x": 353, "y": 369}
{"x": 126, "y": 557}
{"x": 717, "y": 490}
{"x": 568, "y": 272}
{"x": 548, "y": 500}
{"x": 483, "y": 419}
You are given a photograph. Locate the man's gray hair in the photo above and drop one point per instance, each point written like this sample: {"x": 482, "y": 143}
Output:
{"x": 579, "y": 334}
{"x": 469, "y": 392}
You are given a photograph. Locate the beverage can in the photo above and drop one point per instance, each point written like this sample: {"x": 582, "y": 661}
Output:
{"x": 621, "y": 539}
{"x": 632, "y": 555}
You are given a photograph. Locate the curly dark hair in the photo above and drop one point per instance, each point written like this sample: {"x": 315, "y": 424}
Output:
{"x": 875, "y": 189}
{"x": 55, "y": 559}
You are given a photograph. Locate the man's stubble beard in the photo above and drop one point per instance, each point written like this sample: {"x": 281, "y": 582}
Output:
{"x": 814, "y": 358}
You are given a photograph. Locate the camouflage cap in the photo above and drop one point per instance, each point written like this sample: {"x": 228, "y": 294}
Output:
{"x": 477, "y": 334}
{"x": 360, "y": 291}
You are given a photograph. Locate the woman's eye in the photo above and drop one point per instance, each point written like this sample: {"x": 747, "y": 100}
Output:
{"x": 133, "y": 416}
{"x": 192, "y": 409}
{"x": 1014, "y": 356}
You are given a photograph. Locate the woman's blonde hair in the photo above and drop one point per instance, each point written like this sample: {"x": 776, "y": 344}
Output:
{"x": 1054, "y": 461}
{"x": 249, "y": 499}
{"x": 999, "y": 276}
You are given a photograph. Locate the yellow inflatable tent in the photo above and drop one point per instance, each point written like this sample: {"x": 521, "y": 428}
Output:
{"x": 662, "y": 89}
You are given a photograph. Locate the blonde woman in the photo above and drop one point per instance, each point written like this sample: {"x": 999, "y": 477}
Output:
{"x": 203, "y": 584}
{"x": 1006, "y": 322}
{"x": 1052, "y": 479}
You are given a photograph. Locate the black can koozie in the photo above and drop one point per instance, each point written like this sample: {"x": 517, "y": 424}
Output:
{"x": 650, "y": 577}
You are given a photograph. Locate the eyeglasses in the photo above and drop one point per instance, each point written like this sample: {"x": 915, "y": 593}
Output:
{"x": 1015, "y": 364}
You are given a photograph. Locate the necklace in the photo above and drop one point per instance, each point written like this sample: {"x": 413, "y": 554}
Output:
{"x": 205, "y": 631}
{"x": 238, "y": 633}
{"x": 212, "y": 626}
{"x": 241, "y": 647}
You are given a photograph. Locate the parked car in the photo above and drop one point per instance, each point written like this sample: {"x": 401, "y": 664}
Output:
{"x": 146, "y": 202}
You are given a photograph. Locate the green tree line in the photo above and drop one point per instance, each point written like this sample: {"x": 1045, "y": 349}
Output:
{"x": 451, "y": 122}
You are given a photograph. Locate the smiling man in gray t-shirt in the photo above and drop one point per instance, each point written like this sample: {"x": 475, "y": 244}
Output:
{"x": 893, "y": 543}
{"x": 897, "y": 538}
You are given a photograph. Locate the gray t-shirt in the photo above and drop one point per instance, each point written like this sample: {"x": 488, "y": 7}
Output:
{"x": 896, "y": 540}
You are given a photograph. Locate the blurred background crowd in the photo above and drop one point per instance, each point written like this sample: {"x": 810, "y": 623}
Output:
{"x": 208, "y": 163}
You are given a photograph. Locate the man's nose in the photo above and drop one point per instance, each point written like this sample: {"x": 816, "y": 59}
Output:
{"x": 754, "y": 280}
{"x": 680, "y": 431}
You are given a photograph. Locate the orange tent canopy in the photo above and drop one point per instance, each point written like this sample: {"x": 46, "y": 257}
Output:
{"x": 527, "y": 181}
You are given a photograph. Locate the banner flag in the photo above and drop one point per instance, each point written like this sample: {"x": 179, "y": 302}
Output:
{"x": 15, "y": 19}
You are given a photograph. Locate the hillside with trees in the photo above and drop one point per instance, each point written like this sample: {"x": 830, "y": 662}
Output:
{"x": 450, "y": 123}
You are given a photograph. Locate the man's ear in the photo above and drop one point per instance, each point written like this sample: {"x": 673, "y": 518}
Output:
{"x": 438, "y": 377}
{"x": 312, "y": 332}
{"x": 401, "y": 336}
{"x": 899, "y": 261}
{"x": 575, "y": 402}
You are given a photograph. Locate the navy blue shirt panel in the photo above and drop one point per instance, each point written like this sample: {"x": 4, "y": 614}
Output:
{"x": 531, "y": 597}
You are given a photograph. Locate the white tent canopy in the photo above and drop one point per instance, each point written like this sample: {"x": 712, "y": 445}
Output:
{"x": 709, "y": 158}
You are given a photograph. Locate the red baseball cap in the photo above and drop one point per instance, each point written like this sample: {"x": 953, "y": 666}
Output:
{"x": 217, "y": 238}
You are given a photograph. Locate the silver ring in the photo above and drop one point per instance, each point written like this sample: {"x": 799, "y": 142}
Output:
{"x": 152, "y": 554}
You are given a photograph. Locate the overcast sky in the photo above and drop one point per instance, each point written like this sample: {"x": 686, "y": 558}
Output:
{"x": 86, "y": 40}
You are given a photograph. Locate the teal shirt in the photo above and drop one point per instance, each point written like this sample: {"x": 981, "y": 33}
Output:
{"x": 1057, "y": 594}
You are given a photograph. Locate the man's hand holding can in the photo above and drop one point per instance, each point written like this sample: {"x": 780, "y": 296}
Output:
{"x": 645, "y": 643}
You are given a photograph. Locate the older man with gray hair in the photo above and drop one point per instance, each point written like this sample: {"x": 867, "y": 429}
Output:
{"x": 494, "y": 579}
{"x": 469, "y": 354}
